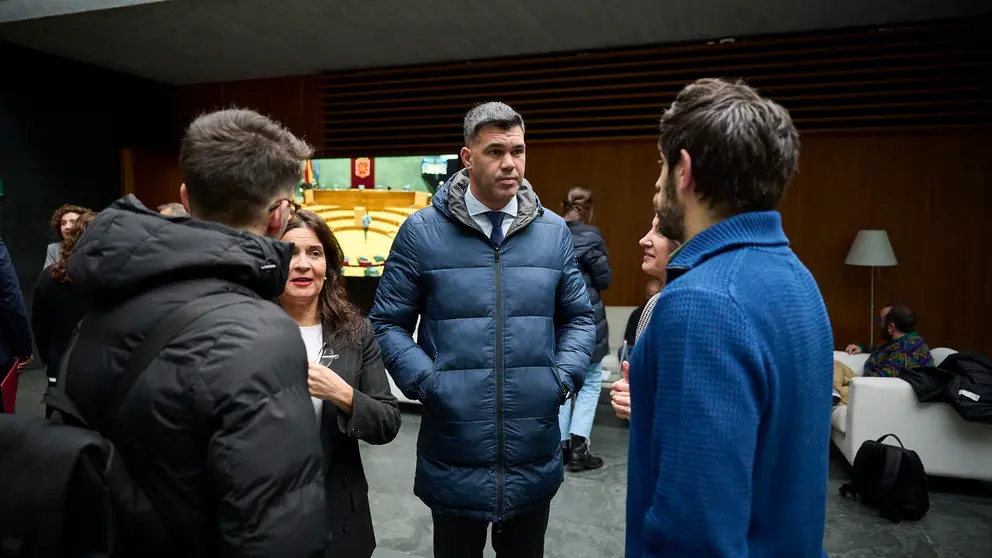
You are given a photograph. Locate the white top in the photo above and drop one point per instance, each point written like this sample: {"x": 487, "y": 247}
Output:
{"x": 478, "y": 211}
{"x": 313, "y": 338}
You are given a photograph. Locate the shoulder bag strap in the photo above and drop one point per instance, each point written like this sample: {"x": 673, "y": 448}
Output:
{"x": 147, "y": 351}
{"x": 157, "y": 340}
{"x": 888, "y": 506}
{"x": 55, "y": 396}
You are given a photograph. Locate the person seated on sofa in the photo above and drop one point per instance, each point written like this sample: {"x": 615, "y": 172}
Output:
{"x": 902, "y": 346}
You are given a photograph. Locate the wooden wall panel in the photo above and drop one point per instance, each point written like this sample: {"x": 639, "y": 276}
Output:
{"x": 927, "y": 189}
{"x": 622, "y": 175}
{"x": 296, "y": 102}
{"x": 924, "y": 75}
{"x": 152, "y": 176}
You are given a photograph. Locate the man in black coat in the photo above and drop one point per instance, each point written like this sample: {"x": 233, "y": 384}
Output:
{"x": 219, "y": 431}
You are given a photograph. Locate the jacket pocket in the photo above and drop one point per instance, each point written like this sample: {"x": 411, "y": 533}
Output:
{"x": 426, "y": 387}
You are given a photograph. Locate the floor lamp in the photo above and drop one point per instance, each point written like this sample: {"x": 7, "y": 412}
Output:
{"x": 872, "y": 249}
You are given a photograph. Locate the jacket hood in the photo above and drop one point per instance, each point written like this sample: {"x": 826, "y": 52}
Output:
{"x": 450, "y": 201}
{"x": 128, "y": 249}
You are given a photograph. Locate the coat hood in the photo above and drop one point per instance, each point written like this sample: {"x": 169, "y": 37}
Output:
{"x": 128, "y": 249}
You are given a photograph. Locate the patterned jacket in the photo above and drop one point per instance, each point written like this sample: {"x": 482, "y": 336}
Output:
{"x": 909, "y": 351}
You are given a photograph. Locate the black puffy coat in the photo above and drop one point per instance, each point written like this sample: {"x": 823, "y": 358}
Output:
{"x": 590, "y": 253}
{"x": 219, "y": 431}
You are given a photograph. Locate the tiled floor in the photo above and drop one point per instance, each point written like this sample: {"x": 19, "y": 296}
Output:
{"x": 587, "y": 516}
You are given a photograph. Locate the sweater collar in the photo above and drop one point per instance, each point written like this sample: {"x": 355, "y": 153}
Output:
{"x": 906, "y": 339}
{"x": 753, "y": 229}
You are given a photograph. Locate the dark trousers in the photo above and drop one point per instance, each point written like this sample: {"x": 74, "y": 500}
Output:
{"x": 519, "y": 537}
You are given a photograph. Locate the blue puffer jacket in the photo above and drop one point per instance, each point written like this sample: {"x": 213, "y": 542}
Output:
{"x": 501, "y": 331}
{"x": 590, "y": 253}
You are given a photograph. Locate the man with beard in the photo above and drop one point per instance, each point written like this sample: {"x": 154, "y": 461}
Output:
{"x": 506, "y": 331}
{"x": 902, "y": 346}
{"x": 731, "y": 380}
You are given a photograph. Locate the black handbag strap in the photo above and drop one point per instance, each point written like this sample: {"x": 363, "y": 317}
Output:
{"x": 143, "y": 356}
{"x": 894, "y": 436}
{"x": 55, "y": 397}
{"x": 159, "y": 338}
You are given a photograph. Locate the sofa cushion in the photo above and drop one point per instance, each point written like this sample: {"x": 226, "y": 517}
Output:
{"x": 838, "y": 418}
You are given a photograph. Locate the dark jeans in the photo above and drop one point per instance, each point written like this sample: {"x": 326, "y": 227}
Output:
{"x": 519, "y": 537}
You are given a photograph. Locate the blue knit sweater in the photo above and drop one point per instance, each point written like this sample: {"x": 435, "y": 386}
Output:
{"x": 731, "y": 393}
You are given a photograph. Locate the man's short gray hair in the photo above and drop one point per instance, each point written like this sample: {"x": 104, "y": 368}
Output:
{"x": 500, "y": 114}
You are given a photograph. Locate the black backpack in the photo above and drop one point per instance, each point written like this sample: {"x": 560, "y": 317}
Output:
{"x": 66, "y": 491}
{"x": 890, "y": 479}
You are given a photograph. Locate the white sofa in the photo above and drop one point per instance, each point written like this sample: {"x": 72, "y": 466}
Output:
{"x": 948, "y": 445}
{"x": 616, "y": 317}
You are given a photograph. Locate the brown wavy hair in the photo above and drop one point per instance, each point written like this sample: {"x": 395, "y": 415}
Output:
{"x": 69, "y": 244}
{"x": 577, "y": 205}
{"x": 56, "y": 222}
{"x": 337, "y": 314}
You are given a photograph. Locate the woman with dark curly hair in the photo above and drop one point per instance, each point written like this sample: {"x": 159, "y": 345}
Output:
{"x": 62, "y": 221}
{"x": 348, "y": 383}
{"x": 56, "y": 308}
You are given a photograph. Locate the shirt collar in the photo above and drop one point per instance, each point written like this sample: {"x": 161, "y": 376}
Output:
{"x": 752, "y": 229}
{"x": 476, "y": 207}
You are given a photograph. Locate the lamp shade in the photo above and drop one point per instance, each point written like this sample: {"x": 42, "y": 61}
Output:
{"x": 871, "y": 249}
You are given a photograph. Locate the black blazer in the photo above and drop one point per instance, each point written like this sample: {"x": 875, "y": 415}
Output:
{"x": 375, "y": 419}
{"x": 55, "y": 311}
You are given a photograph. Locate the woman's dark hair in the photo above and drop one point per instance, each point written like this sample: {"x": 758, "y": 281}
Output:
{"x": 337, "y": 314}
{"x": 56, "y": 222}
{"x": 577, "y": 205}
{"x": 69, "y": 244}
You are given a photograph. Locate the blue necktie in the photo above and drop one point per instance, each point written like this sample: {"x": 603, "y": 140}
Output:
{"x": 496, "y": 218}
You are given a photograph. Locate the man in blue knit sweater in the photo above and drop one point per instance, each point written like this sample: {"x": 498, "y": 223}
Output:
{"x": 731, "y": 381}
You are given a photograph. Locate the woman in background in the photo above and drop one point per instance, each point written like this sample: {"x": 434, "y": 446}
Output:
{"x": 348, "y": 384}
{"x": 62, "y": 221}
{"x": 56, "y": 308}
{"x": 657, "y": 251}
{"x": 590, "y": 254}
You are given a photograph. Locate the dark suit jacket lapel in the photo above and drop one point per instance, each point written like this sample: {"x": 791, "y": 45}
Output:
{"x": 348, "y": 365}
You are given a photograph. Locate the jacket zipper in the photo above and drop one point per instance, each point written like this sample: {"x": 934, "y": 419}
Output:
{"x": 499, "y": 386}
{"x": 499, "y": 362}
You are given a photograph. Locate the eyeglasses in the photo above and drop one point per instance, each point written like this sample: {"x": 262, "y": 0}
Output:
{"x": 294, "y": 207}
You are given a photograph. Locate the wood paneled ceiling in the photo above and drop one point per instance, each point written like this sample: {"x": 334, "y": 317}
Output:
{"x": 914, "y": 76}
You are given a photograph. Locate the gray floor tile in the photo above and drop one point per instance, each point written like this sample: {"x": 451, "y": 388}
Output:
{"x": 587, "y": 515}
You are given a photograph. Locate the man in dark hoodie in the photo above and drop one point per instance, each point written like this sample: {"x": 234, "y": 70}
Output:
{"x": 219, "y": 431}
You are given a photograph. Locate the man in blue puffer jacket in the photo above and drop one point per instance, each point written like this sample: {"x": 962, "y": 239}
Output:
{"x": 505, "y": 334}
